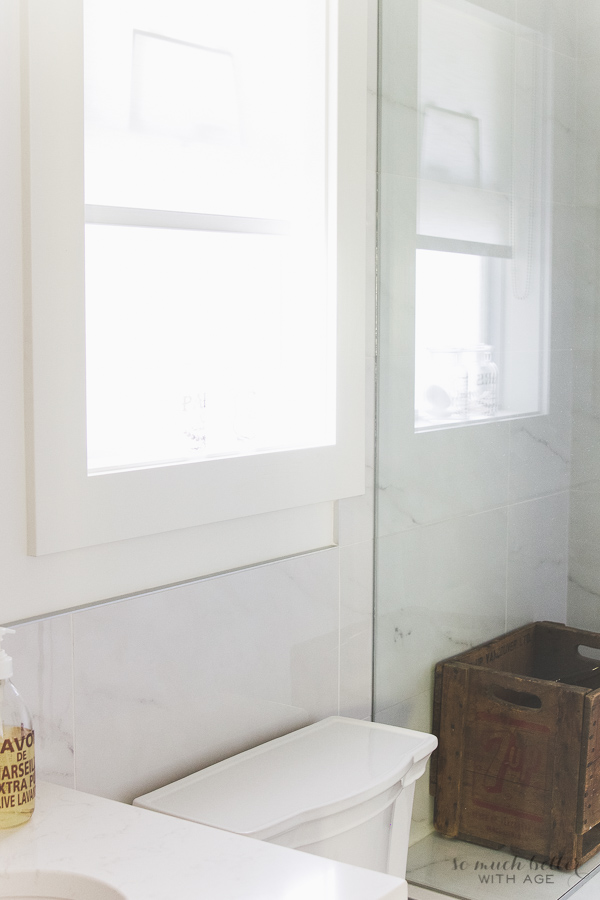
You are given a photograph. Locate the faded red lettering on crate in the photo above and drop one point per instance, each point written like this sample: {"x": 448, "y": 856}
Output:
{"x": 510, "y": 754}
{"x": 514, "y": 723}
{"x": 518, "y": 813}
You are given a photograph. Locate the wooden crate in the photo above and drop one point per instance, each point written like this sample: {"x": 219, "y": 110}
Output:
{"x": 518, "y": 763}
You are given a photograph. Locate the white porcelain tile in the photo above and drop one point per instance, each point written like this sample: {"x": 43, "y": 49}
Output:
{"x": 586, "y": 458}
{"x": 564, "y": 249}
{"x": 583, "y": 609}
{"x": 170, "y": 682}
{"x": 356, "y": 630}
{"x": 587, "y": 189}
{"x": 355, "y": 514}
{"x": 440, "y": 589}
{"x": 584, "y": 541}
{"x": 42, "y": 659}
{"x": 586, "y": 319}
{"x": 588, "y": 27}
{"x": 564, "y": 126}
{"x": 556, "y": 20}
{"x": 505, "y": 8}
{"x": 540, "y": 446}
{"x": 564, "y": 26}
{"x": 588, "y": 129}
{"x": 415, "y": 713}
{"x": 538, "y": 535}
{"x": 432, "y": 476}
{"x": 585, "y": 313}
{"x": 585, "y": 393}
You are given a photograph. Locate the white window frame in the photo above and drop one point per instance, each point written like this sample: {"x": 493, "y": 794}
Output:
{"x": 68, "y": 508}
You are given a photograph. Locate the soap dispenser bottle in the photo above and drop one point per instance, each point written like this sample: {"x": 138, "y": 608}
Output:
{"x": 17, "y": 749}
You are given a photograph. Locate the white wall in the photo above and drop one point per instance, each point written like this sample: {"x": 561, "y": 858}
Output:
{"x": 129, "y": 694}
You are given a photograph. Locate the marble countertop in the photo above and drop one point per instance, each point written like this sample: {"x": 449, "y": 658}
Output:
{"x": 149, "y": 856}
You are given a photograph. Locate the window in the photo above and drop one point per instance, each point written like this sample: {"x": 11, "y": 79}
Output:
{"x": 206, "y": 211}
{"x": 218, "y": 316}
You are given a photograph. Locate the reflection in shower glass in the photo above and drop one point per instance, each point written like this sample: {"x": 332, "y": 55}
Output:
{"x": 450, "y": 355}
{"x": 481, "y": 284}
{"x": 473, "y": 465}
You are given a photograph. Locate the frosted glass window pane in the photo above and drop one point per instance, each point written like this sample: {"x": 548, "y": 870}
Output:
{"x": 199, "y": 345}
{"x": 219, "y": 342}
{"x": 183, "y": 91}
{"x": 226, "y": 100}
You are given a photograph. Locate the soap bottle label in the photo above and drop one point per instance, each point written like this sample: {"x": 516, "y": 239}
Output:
{"x": 17, "y": 776}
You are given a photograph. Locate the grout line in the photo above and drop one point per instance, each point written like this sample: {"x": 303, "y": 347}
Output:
{"x": 339, "y": 635}
{"x": 376, "y": 369}
{"x": 73, "y": 727}
{"x": 146, "y": 592}
{"x": 508, "y": 518}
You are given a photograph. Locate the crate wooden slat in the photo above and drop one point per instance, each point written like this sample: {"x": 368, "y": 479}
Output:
{"x": 450, "y": 774}
{"x": 589, "y": 800}
{"x": 518, "y": 763}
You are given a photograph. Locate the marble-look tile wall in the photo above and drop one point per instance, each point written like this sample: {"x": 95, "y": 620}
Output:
{"x": 472, "y": 522}
{"x": 133, "y": 693}
{"x": 130, "y": 695}
{"x": 584, "y": 559}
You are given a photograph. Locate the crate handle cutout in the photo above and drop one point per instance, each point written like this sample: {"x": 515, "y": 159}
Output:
{"x": 591, "y": 653}
{"x": 516, "y": 698}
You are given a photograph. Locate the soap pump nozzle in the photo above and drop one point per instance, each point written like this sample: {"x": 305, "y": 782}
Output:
{"x": 6, "y": 665}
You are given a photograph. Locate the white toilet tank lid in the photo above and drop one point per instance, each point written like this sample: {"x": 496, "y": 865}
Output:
{"x": 321, "y": 769}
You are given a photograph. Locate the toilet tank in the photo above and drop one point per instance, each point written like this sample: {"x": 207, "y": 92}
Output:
{"x": 341, "y": 788}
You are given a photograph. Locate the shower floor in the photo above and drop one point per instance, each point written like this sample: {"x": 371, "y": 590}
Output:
{"x": 437, "y": 865}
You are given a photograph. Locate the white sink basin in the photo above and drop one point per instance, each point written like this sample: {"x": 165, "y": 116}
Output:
{"x": 54, "y": 886}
